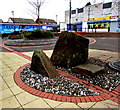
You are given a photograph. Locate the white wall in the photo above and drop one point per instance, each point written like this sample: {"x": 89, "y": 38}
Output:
{"x": 84, "y": 27}
{"x": 63, "y": 26}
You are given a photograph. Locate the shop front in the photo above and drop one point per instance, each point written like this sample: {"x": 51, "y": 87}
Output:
{"x": 74, "y": 27}
{"x": 99, "y": 26}
{"x": 104, "y": 24}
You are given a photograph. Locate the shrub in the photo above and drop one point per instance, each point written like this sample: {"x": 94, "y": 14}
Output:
{"x": 21, "y": 36}
{"x": 48, "y": 34}
{"x": 26, "y": 34}
{"x": 5, "y": 35}
{"x": 37, "y": 34}
{"x": 15, "y": 33}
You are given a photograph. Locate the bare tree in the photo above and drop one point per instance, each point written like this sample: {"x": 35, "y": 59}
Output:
{"x": 36, "y": 4}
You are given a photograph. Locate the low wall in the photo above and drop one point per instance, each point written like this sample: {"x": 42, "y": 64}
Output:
{"x": 95, "y": 34}
{"x": 100, "y": 34}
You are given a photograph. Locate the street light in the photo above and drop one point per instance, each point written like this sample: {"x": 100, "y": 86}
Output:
{"x": 13, "y": 15}
{"x": 88, "y": 16}
{"x": 56, "y": 18}
{"x": 70, "y": 15}
{"x": 13, "y": 18}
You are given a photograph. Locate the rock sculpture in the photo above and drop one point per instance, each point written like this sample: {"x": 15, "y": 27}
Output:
{"x": 70, "y": 50}
{"x": 41, "y": 64}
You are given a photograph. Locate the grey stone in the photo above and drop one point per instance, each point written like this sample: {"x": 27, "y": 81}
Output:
{"x": 87, "y": 69}
{"x": 70, "y": 50}
{"x": 41, "y": 64}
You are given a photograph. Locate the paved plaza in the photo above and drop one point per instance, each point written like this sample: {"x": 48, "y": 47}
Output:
{"x": 13, "y": 96}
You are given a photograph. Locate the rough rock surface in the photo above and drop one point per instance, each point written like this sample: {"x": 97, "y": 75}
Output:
{"x": 87, "y": 69}
{"x": 41, "y": 64}
{"x": 70, "y": 50}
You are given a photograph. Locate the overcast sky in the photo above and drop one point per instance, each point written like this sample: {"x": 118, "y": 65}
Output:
{"x": 49, "y": 10}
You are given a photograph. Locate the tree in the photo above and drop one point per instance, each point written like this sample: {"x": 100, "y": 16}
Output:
{"x": 36, "y": 4}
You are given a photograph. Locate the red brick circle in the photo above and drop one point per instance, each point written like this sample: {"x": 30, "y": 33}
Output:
{"x": 56, "y": 97}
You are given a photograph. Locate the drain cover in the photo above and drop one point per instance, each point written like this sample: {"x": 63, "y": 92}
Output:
{"x": 115, "y": 65}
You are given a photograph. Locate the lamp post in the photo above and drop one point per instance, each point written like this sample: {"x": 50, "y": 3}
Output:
{"x": 88, "y": 16}
{"x": 56, "y": 18}
{"x": 70, "y": 15}
{"x": 13, "y": 15}
{"x": 13, "y": 18}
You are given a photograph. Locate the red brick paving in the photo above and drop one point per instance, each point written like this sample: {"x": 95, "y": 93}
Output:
{"x": 101, "y": 98}
{"x": 92, "y": 98}
{"x": 46, "y": 95}
{"x": 115, "y": 92}
{"x": 64, "y": 99}
{"x": 23, "y": 55}
{"x": 18, "y": 53}
{"x": 73, "y": 99}
{"x": 68, "y": 99}
{"x": 55, "y": 97}
{"x": 42, "y": 94}
{"x": 59, "y": 98}
{"x": 82, "y": 99}
{"x": 104, "y": 96}
{"x": 37, "y": 94}
{"x": 50, "y": 96}
{"x": 97, "y": 98}
{"x": 112, "y": 94}
{"x": 117, "y": 100}
{"x": 78, "y": 99}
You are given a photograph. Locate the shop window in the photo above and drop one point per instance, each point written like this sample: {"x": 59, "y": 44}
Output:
{"x": 73, "y": 11}
{"x": 107, "y": 5}
{"x": 99, "y": 26}
{"x": 80, "y": 10}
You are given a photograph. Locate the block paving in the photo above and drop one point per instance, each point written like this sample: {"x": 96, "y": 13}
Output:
{"x": 16, "y": 95}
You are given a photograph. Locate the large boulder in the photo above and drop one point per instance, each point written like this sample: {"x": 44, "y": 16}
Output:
{"x": 41, "y": 64}
{"x": 70, "y": 50}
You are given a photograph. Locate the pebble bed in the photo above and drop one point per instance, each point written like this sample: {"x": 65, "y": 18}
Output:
{"x": 23, "y": 42}
{"x": 59, "y": 85}
{"x": 108, "y": 79}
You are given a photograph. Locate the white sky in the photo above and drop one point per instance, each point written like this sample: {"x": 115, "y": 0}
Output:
{"x": 49, "y": 9}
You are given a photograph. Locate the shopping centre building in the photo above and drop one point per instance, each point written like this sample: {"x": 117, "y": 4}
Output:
{"x": 101, "y": 17}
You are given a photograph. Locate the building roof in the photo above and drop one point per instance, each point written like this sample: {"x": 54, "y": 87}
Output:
{"x": 47, "y": 21}
{"x": 22, "y": 20}
{"x": 88, "y": 4}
